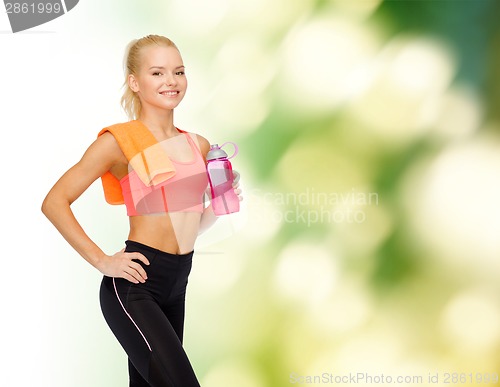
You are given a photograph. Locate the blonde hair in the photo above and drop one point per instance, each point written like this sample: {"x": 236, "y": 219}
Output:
{"x": 132, "y": 62}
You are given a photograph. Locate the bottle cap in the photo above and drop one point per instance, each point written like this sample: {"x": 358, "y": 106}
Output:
{"x": 215, "y": 152}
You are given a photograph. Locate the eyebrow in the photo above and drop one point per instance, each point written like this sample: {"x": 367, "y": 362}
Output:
{"x": 163, "y": 68}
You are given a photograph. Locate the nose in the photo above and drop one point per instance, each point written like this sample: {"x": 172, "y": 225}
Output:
{"x": 170, "y": 79}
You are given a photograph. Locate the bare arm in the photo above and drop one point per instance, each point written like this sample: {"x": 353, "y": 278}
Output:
{"x": 103, "y": 155}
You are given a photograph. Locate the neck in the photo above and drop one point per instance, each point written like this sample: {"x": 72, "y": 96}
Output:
{"x": 160, "y": 123}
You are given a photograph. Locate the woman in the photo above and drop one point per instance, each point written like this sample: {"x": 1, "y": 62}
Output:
{"x": 158, "y": 172}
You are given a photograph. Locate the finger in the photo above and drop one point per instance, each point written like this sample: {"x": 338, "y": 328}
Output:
{"x": 143, "y": 259}
{"x": 140, "y": 257}
{"x": 134, "y": 274}
{"x": 236, "y": 176}
{"x": 238, "y": 194}
{"x": 129, "y": 278}
{"x": 139, "y": 270}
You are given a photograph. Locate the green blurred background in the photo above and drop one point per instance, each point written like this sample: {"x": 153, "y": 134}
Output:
{"x": 370, "y": 153}
{"x": 369, "y": 238}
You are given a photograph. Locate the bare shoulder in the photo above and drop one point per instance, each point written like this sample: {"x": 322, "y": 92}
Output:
{"x": 103, "y": 155}
{"x": 107, "y": 140}
{"x": 204, "y": 145}
{"x": 106, "y": 147}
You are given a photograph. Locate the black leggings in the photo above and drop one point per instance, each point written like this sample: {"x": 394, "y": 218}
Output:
{"x": 148, "y": 319}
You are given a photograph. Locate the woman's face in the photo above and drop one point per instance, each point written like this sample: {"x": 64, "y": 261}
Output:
{"x": 161, "y": 81}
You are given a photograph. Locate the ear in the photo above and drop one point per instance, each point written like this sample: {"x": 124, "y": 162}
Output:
{"x": 132, "y": 83}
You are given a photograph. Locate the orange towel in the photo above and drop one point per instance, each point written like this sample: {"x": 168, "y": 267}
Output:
{"x": 145, "y": 155}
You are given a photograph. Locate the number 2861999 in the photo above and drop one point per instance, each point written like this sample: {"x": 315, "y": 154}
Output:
{"x": 33, "y": 8}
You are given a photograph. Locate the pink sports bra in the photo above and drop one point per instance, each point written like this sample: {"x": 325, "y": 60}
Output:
{"x": 181, "y": 193}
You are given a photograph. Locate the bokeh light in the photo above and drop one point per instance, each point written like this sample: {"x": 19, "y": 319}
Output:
{"x": 471, "y": 322}
{"x": 305, "y": 273}
{"x": 407, "y": 78}
{"x": 458, "y": 200}
{"x": 319, "y": 58}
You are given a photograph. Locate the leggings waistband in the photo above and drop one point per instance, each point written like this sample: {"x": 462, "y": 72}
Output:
{"x": 140, "y": 247}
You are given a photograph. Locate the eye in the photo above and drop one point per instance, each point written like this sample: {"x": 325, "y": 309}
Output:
{"x": 155, "y": 74}
{"x": 180, "y": 73}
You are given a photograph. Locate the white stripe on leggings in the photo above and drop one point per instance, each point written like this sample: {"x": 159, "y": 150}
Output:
{"x": 130, "y": 317}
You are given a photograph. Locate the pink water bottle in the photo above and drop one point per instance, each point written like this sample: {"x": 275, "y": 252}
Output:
{"x": 221, "y": 177}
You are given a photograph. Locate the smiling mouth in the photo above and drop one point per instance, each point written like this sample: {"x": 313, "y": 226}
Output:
{"x": 169, "y": 93}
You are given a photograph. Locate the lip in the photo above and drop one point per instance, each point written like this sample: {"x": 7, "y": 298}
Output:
{"x": 169, "y": 93}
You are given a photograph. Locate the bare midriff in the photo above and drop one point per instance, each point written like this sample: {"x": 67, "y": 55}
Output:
{"x": 173, "y": 233}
